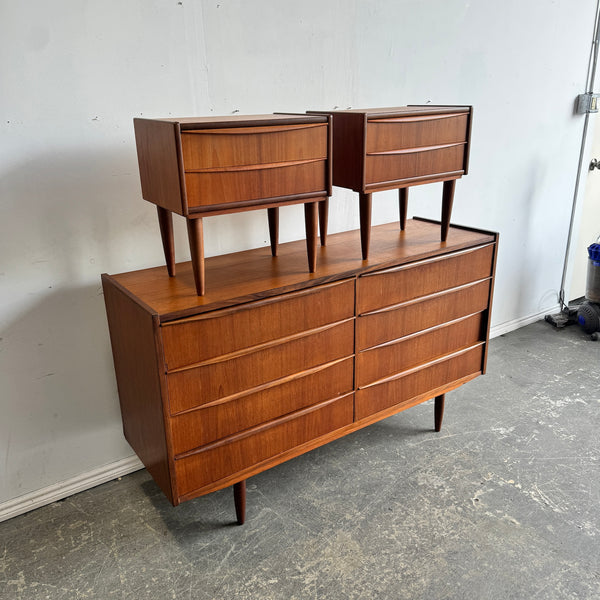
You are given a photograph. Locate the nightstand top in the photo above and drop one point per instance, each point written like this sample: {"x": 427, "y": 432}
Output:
{"x": 240, "y": 120}
{"x": 427, "y": 109}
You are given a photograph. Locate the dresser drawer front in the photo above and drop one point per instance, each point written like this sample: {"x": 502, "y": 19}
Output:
{"x": 196, "y": 339}
{"x": 205, "y": 425}
{"x": 380, "y": 327}
{"x": 402, "y": 390}
{"x": 228, "y": 147}
{"x": 390, "y": 359}
{"x": 384, "y": 135}
{"x": 250, "y": 449}
{"x": 206, "y": 383}
{"x": 242, "y": 185}
{"x": 394, "y": 286}
{"x": 409, "y": 165}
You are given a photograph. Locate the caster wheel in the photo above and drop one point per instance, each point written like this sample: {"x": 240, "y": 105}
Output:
{"x": 595, "y": 337}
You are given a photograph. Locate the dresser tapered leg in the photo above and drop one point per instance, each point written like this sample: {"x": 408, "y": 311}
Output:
{"x": 239, "y": 497}
{"x": 438, "y": 411}
{"x": 403, "y": 201}
{"x": 196, "y": 239}
{"x": 365, "y": 223}
{"x": 273, "y": 216}
{"x": 447, "y": 199}
{"x": 310, "y": 220}
{"x": 165, "y": 222}
{"x": 323, "y": 220}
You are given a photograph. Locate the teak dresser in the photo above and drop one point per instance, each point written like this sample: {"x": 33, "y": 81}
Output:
{"x": 377, "y": 149}
{"x": 198, "y": 167}
{"x": 273, "y": 361}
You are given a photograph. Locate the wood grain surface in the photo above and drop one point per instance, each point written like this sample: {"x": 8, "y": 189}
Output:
{"x": 254, "y": 274}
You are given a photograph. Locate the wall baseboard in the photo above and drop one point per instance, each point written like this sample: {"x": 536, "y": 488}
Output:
{"x": 79, "y": 483}
{"x": 125, "y": 466}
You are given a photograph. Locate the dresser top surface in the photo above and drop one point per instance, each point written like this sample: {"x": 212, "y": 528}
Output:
{"x": 240, "y": 120}
{"x": 254, "y": 274}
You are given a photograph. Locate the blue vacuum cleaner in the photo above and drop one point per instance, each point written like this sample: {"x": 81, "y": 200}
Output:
{"x": 588, "y": 314}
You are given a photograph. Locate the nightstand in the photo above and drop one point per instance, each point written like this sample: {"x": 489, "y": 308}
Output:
{"x": 377, "y": 149}
{"x": 198, "y": 167}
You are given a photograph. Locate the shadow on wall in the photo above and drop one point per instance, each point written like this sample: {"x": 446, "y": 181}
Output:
{"x": 60, "y": 406}
{"x": 69, "y": 217}
{"x": 70, "y": 210}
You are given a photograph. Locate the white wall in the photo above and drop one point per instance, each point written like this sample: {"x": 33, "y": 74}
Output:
{"x": 74, "y": 73}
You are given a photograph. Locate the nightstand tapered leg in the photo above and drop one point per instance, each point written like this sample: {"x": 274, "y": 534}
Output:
{"x": 310, "y": 220}
{"x": 365, "y": 223}
{"x": 196, "y": 239}
{"x": 438, "y": 411}
{"x": 239, "y": 498}
{"x": 273, "y": 216}
{"x": 403, "y": 201}
{"x": 447, "y": 199}
{"x": 323, "y": 220}
{"x": 165, "y": 222}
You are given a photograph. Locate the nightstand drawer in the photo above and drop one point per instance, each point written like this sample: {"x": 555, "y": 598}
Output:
{"x": 398, "y": 133}
{"x": 242, "y": 184}
{"x": 223, "y": 377}
{"x": 393, "y": 323}
{"x": 249, "y": 449}
{"x": 404, "y": 388}
{"x": 197, "y": 339}
{"x": 227, "y": 147}
{"x": 397, "y": 285}
{"x": 205, "y": 425}
{"x": 405, "y": 165}
{"x": 397, "y": 356}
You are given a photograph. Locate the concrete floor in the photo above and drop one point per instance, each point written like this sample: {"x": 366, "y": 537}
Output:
{"x": 503, "y": 503}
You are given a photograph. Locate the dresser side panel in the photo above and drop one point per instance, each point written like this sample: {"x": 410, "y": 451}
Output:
{"x": 132, "y": 334}
{"x": 489, "y": 309}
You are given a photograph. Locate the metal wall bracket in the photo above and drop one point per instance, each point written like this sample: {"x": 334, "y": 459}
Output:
{"x": 587, "y": 103}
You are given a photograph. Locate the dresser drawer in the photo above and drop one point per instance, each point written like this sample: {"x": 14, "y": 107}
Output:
{"x": 405, "y": 388}
{"x": 393, "y": 286}
{"x": 207, "y": 424}
{"x": 394, "y": 357}
{"x": 250, "y": 448}
{"x": 236, "y": 146}
{"x": 197, "y": 339}
{"x": 225, "y": 377}
{"x": 398, "y": 133}
{"x": 240, "y": 184}
{"x": 393, "y": 323}
{"x": 405, "y": 165}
